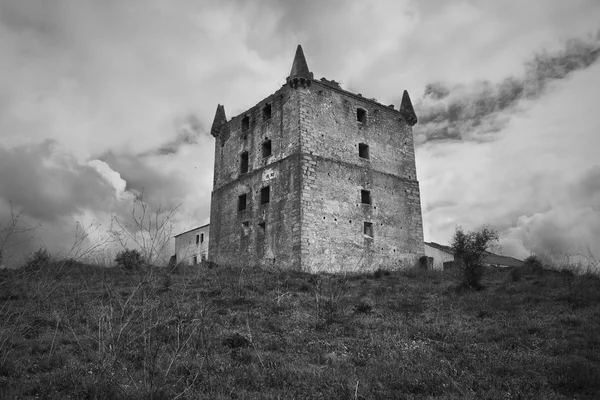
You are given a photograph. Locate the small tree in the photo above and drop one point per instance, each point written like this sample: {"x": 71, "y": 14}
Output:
{"x": 469, "y": 251}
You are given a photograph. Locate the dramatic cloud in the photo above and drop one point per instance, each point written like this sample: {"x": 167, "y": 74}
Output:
{"x": 477, "y": 110}
{"x": 52, "y": 191}
{"x": 536, "y": 182}
{"x": 571, "y": 226}
{"x": 48, "y": 184}
{"x": 99, "y": 99}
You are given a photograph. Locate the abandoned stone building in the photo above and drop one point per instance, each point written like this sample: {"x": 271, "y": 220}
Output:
{"x": 316, "y": 178}
{"x": 191, "y": 247}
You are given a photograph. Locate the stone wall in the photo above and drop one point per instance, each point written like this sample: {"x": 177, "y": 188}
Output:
{"x": 315, "y": 218}
{"x": 261, "y": 234}
{"x": 333, "y": 213}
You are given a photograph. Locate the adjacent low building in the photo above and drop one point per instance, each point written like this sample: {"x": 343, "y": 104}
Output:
{"x": 443, "y": 257}
{"x": 191, "y": 247}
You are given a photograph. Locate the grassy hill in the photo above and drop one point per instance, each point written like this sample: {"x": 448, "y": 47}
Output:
{"x": 77, "y": 331}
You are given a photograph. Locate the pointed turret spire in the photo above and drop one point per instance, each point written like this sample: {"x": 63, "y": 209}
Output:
{"x": 300, "y": 74}
{"x": 299, "y": 66}
{"x": 407, "y": 110}
{"x": 220, "y": 120}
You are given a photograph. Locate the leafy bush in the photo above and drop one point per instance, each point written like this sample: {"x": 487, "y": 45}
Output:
{"x": 129, "y": 259}
{"x": 533, "y": 265}
{"x": 39, "y": 259}
{"x": 469, "y": 250}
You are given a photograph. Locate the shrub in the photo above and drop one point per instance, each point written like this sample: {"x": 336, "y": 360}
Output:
{"x": 365, "y": 306}
{"x": 380, "y": 272}
{"x": 39, "y": 259}
{"x": 235, "y": 340}
{"x": 469, "y": 251}
{"x": 129, "y": 259}
{"x": 533, "y": 265}
{"x": 516, "y": 273}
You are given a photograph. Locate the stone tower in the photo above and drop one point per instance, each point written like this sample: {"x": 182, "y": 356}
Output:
{"x": 316, "y": 178}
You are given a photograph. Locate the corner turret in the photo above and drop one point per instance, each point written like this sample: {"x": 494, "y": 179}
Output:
{"x": 407, "y": 110}
{"x": 219, "y": 121}
{"x": 299, "y": 74}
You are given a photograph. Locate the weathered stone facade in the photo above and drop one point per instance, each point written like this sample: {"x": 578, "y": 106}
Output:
{"x": 340, "y": 172}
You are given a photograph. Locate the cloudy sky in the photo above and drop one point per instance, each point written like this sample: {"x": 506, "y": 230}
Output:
{"x": 102, "y": 97}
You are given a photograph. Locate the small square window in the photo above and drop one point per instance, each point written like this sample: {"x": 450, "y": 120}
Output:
{"x": 245, "y": 123}
{"x": 361, "y": 115}
{"x": 363, "y": 150}
{"x": 266, "y": 112}
{"x": 266, "y": 148}
{"x": 244, "y": 162}
{"x": 365, "y": 197}
{"x": 265, "y": 194}
{"x": 368, "y": 230}
{"x": 242, "y": 202}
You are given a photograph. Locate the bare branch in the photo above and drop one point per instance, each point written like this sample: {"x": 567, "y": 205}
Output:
{"x": 150, "y": 228}
{"x": 10, "y": 230}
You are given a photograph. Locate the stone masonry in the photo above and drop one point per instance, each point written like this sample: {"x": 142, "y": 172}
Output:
{"x": 316, "y": 178}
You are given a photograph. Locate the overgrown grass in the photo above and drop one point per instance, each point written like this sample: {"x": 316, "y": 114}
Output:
{"x": 79, "y": 331}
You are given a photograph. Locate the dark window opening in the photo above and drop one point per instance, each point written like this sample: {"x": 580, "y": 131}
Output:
{"x": 197, "y": 239}
{"x": 361, "y": 115}
{"x": 202, "y": 238}
{"x": 266, "y": 112}
{"x": 262, "y": 226}
{"x": 244, "y": 162}
{"x": 245, "y": 123}
{"x": 265, "y": 194}
{"x": 368, "y": 230}
{"x": 203, "y": 258}
{"x": 195, "y": 260}
{"x": 242, "y": 202}
{"x": 266, "y": 148}
{"x": 363, "y": 150}
{"x": 365, "y": 197}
